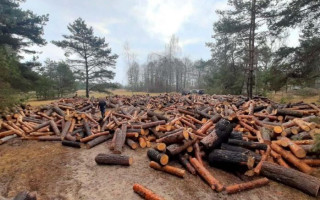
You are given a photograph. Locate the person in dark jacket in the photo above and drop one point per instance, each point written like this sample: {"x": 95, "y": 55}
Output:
{"x": 102, "y": 106}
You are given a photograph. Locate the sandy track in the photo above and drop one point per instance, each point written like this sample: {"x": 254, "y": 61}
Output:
{"x": 58, "y": 172}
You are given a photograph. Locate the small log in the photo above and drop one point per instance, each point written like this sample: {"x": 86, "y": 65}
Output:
{"x": 58, "y": 111}
{"x": 113, "y": 159}
{"x": 174, "y": 138}
{"x": 132, "y": 144}
{"x": 160, "y": 158}
{"x": 306, "y": 183}
{"x": 71, "y": 143}
{"x": 175, "y": 149}
{"x": 145, "y": 192}
{"x": 159, "y": 116}
{"x": 161, "y": 147}
{"x": 169, "y": 169}
{"x": 205, "y": 174}
{"x": 142, "y": 142}
{"x": 231, "y": 189}
{"x": 98, "y": 140}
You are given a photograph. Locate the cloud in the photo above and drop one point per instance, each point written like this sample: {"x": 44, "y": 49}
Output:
{"x": 185, "y": 42}
{"x": 163, "y": 18}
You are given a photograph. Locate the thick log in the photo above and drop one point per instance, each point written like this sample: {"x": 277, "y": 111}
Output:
{"x": 236, "y": 135}
{"x": 87, "y": 128}
{"x": 160, "y": 158}
{"x": 306, "y": 183}
{"x": 54, "y": 127}
{"x": 175, "y": 149}
{"x": 65, "y": 129}
{"x": 113, "y": 159}
{"x": 197, "y": 152}
{"x": 145, "y": 192}
{"x": 98, "y": 140}
{"x": 71, "y": 143}
{"x": 58, "y": 111}
{"x": 231, "y": 189}
{"x": 218, "y": 136}
{"x": 120, "y": 139}
{"x": 169, "y": 169}
{"x": 257, "y": 157}
{"x": 289, "y": 112}
{"x": 224, "y": 156}
{"x": 249, "y": 145}
{"x": 206, "y": 175}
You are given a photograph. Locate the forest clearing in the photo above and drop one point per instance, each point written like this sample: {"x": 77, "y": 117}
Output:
{"x": 159, "y": 99}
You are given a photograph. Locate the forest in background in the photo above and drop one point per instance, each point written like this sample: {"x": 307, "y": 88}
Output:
{"x": 249, "y": 55}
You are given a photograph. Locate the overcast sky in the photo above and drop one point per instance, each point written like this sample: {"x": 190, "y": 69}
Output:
{"x": 145, "y": 24}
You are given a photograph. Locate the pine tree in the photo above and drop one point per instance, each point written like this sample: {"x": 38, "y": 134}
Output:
{"x": 93, "y": 55}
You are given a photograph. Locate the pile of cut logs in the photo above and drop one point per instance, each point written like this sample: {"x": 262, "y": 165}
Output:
{"x": 259, "y": 136}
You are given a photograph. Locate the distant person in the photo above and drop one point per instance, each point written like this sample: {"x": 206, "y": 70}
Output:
{"x": 102, "y": 106}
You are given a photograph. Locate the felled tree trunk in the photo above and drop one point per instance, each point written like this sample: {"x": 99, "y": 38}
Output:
{"x": 306, "y": 183}
{"x": 224, "y": 156}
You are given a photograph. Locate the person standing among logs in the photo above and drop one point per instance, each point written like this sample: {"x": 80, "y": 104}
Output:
{"x": 102, "y": 106}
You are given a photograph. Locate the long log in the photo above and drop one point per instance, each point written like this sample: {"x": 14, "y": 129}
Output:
{"x": 206, "y": 175}
{"x": 306, "y": 183}
{"x": 219, "y": 156}
{"x": 113, "y": 159}
{"x": 98, "y": 140}
{"x": 54, "y": 127}
{"x": 91, "y": 137}
{"x": 250, "y": 145}
{"x": 289, "y": 112}
{"x": 257, "y": 157}
{"x": 65, "y": 129}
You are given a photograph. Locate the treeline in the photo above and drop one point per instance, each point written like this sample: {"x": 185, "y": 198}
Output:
{"x": 165, "y": 71}
{"x": 249, "y": 55}
{"x": 88, "y": 62}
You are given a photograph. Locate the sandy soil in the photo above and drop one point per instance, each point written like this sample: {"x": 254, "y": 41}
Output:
{"x": 58, "y": 172}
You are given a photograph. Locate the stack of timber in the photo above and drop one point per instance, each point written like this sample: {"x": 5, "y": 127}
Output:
{"x": 259, "y": 136}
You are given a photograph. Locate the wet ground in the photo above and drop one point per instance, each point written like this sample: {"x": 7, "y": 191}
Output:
{"x": 57, "y": 172}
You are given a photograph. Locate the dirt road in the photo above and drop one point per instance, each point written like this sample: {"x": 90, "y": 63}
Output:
{"x": 58, "y": 172}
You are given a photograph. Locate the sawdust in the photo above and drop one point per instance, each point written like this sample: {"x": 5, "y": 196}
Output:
{"x": 63, "y": 173}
